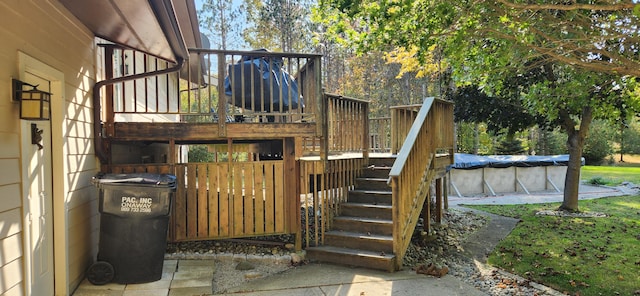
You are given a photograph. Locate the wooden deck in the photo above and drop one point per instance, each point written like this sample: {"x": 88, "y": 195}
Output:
{"x": 280, "y": 171}
{"x": 209, "y": 132}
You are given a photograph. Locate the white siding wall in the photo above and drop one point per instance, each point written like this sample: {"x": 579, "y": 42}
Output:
{"x": 150, "y": 93}
{"x": 45, "y": 31}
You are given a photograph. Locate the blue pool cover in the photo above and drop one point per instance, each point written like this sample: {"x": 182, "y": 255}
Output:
{"x": 471, "y": 161}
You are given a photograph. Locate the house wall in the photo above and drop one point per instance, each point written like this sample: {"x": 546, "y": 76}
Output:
{"x": 46, "y": 32}
{"x": 151, "y": 94}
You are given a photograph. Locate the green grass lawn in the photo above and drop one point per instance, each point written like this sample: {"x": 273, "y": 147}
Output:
{"x": 578, "y": 256}
{"x": 610, "y": 175}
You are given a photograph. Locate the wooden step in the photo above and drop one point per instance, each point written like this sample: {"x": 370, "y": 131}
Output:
{"x": 362, "y": 235}
{"x": 357, "y": 240}
{"x": 373, "y": 184}
{"x": 359, "y": 224}
{"x": 365, "y": 210}
{"x": 353, "y": 257}
{"x": 370, "y": 196}
{"x": 382, "y": 161}
{"x": 376, "y": 172}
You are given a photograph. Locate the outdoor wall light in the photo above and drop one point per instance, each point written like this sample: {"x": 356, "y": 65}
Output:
{"x": 34, "y": 104}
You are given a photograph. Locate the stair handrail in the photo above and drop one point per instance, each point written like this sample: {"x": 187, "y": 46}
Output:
{"x": 411, "y": 138}
{"x": 412, "y": 172}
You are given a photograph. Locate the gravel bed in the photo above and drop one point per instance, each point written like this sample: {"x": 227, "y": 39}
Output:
{"x": 442, "y": 247}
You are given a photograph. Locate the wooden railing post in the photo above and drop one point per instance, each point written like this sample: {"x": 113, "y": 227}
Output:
{"x": 319, "y": 99}
{"x": 222, "y": 102}
{"x": 324, "y": 125}
{"x": 394, "y": 126}
{"x": 366, "y": 134}
{"x": 109, "y": 95}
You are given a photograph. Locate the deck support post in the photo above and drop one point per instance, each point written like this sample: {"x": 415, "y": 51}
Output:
{"x": 439, "y": 206}
{"x": 445, "y": 192}
{"x": 292, "y": 191}
{"x": 171, "y": 159}
{"x": 426, "y": 213}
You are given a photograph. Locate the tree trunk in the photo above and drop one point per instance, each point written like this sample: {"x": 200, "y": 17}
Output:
{"x": 575, "y": 143}
{"x": 572, "y": 178}
{"x": 621, "y": 142}
{"x": 476, "y": 138}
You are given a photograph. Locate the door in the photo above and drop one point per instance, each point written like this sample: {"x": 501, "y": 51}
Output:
{"x": 38, "y": 201}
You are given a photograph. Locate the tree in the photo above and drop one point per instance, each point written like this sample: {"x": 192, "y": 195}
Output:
{"x": 631, "y": 138}
{"x": 278, "y": 25}
{"x": 472, "y": 104}
{"x": 375, "y": 78}
{"x": 548, "y": 141}
{"x": 586, "y": 55}
{"x": 220, "y": 21}
{"x": 600, "y": 36}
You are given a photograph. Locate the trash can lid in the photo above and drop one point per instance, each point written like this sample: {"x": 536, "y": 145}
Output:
{"x": 136, "y": 178}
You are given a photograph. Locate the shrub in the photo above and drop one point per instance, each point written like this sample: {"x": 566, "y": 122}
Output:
{"x": 597, "y": 181}
{"x": 200, "y": 153}
{"x": 510, "y": 147}
{"x": 597, "y": 145}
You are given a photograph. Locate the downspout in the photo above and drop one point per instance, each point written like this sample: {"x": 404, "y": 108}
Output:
{"x": 97, "y": 124}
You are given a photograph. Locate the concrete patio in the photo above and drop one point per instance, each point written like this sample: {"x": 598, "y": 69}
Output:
{"x": 179, "y": 277}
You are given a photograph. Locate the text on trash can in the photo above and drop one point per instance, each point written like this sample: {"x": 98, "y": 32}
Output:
{"x": 136, "y": 204}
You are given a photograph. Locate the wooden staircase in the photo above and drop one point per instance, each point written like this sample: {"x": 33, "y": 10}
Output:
{"x": 362, "y": 235}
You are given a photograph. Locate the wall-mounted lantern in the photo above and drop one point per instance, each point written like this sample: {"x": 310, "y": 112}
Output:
{"x": 35, "y": 104}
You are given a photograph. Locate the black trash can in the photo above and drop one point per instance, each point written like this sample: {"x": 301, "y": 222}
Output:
{"x": 134, "y": 219}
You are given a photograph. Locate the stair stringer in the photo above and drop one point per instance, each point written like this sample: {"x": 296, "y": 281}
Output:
{"x": 402, "y": 236}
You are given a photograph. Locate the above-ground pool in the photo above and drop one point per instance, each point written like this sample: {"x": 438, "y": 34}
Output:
{"x": 490, "y": 175}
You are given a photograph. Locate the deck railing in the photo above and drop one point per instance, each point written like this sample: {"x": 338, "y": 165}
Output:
{"x": 348, "y": 124}
{"x": 324, "y": 188}
{"x": 402, "y": 118}
{"x": 347, "y": 127}
{"x": 380, "y": 134}
{"x": 230, "y": 86}
{"x": 413, "y": 171}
